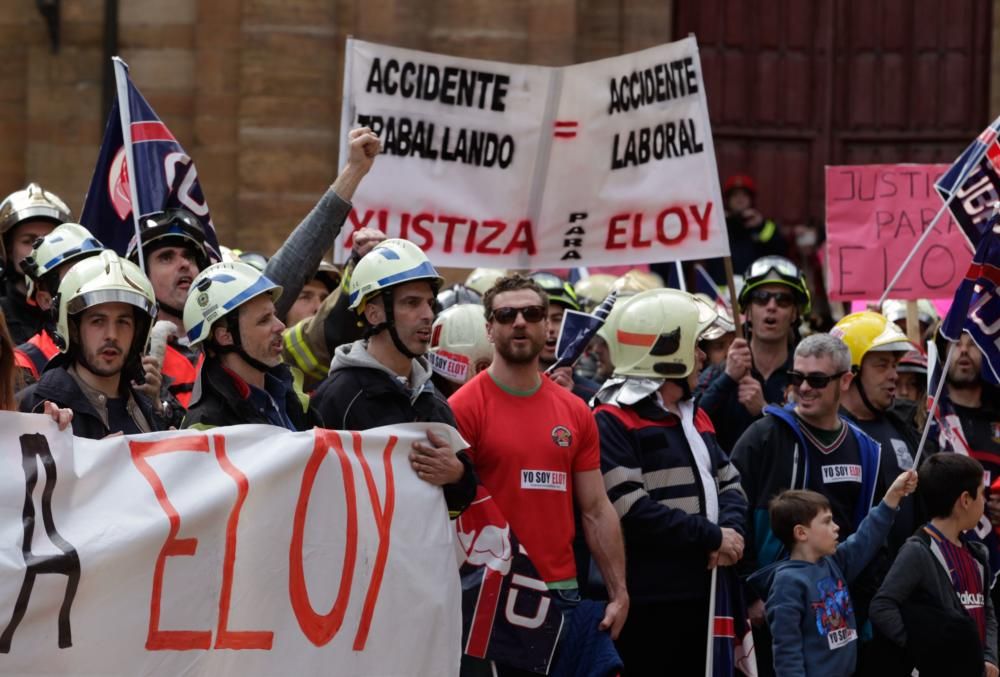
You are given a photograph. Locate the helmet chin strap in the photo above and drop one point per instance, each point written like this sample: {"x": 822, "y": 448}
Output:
{"x": 176, "y": 312}
{"x": 864, "y": 396}
{"x": 390, "y": 324}
{"x": 233, "y": 325}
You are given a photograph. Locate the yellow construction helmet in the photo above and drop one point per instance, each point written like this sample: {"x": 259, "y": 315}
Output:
{"x": 867, "y": 332}
{"x": 655, "y": 333}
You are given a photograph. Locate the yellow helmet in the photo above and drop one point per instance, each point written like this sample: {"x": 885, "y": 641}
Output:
{"x": 655, "y": 333}
{"x": 867, "y": 332}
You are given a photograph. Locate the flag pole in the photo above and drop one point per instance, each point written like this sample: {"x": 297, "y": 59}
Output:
{"x": 710, "y": 645}
{"x": 125, "y": 116}
{"x": 681, "y": 282}
{"x": 934, "y": 404}
{"x": 727, "y": 261}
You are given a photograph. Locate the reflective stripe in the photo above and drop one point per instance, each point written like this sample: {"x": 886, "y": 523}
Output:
{"x": 298, "y": 387}
{"x": 767, "y": 231}
{"x": 671, "y": 477}
{"x": 621, "y": 475}
{"x": 689, "y": 504}
{"x": 624, "y": 503}
{"x": 296, "y": 344}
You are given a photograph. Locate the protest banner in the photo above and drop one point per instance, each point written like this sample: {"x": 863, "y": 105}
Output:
{"x": 874, "y": 216}
{"x": 244, "y": 550}
{"x": 504, "y": 165}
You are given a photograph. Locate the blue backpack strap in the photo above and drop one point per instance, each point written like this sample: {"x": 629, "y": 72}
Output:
{"x": 787, "y": 415}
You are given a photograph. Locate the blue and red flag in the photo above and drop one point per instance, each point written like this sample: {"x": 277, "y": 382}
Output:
{"x": 508, "y": 615}
{"x": 976, "y": 307}
{"x": 732, "y": 648}
{"x": 972, "y": 184}
{"x": 140, "y": 163}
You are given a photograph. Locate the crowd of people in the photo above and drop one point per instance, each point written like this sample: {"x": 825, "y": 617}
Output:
{"x": 757, "y": 438}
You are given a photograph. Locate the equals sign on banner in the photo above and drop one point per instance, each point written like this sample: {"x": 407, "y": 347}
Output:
{"x": 566, "y": 129}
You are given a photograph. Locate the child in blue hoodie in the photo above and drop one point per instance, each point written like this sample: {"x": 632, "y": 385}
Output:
{"x": 808, "y": 607}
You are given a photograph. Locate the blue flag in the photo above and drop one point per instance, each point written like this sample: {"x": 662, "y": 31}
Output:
{"x": 972, "y": 184}
{"x": 152, "y": 169}
{"x": 976, "y": 307}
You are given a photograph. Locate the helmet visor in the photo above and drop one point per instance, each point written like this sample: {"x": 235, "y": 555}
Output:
{"x": 97, "y": 297}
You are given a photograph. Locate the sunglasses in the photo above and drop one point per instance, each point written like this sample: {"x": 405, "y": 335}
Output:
{"x": 782, "y": 298}
{"x": 508, "y": 315}
{"x": 816, "y": 381}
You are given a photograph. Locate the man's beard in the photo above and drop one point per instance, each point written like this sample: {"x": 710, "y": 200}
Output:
{"x": 89, "y": 363}
{"x": 523, "y": 356}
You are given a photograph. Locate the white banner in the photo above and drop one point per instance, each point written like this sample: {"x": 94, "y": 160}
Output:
{"x": 242, "y": 551}
{"x": 494, "y": 164}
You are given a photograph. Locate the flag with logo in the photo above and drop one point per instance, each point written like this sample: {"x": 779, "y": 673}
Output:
{"x": 976, "y": 307}
{"x": 972, "y": 184}
{"x": 508, "y": 615}
{"x": 141, "y": 169}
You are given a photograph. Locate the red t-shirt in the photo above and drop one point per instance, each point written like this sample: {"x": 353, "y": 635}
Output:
{"x": 525, "y": 449}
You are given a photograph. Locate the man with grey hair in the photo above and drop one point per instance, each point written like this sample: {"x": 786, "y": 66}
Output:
{"x": 809, "y": 445}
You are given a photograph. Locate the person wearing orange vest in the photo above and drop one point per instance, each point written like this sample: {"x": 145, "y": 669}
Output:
{"x": 50, "y": 258}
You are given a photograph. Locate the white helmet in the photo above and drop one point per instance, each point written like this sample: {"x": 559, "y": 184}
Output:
{"x": 482, "y": 279}
{"x": 590, "y": 291}
{"x": 390, "y": 263}
{"x": 34, "y": 202}
{"x": 218, "y": 291}
{"x": 656, "y": 332}
{"x": 105, "y": 278}
{"x": 460, "y": 348}
{"x": 67, "y": 242}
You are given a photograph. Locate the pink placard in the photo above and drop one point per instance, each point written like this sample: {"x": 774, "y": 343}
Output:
{"x": 874, "y": 216}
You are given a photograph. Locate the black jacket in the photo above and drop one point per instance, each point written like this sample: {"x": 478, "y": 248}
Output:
{"x": 58, "y": 385}
{"x": 362, "y": 397}
{"x": 23, "y": 319}
{"x": 218, "y": 400}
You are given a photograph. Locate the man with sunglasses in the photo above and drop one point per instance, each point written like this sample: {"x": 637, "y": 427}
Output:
{"x": 385, "y": 378}
{"x": 535, "y": 446}
{"x": 810, "y": 445}
{"x": 877, "y": 345}
{"x": 774, "y": 297}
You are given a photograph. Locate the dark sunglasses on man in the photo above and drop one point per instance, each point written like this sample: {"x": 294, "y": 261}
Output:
{"x": 816, "y": 380}
{"x": 761, "y": 297}
{"x": 509, "y": 315}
